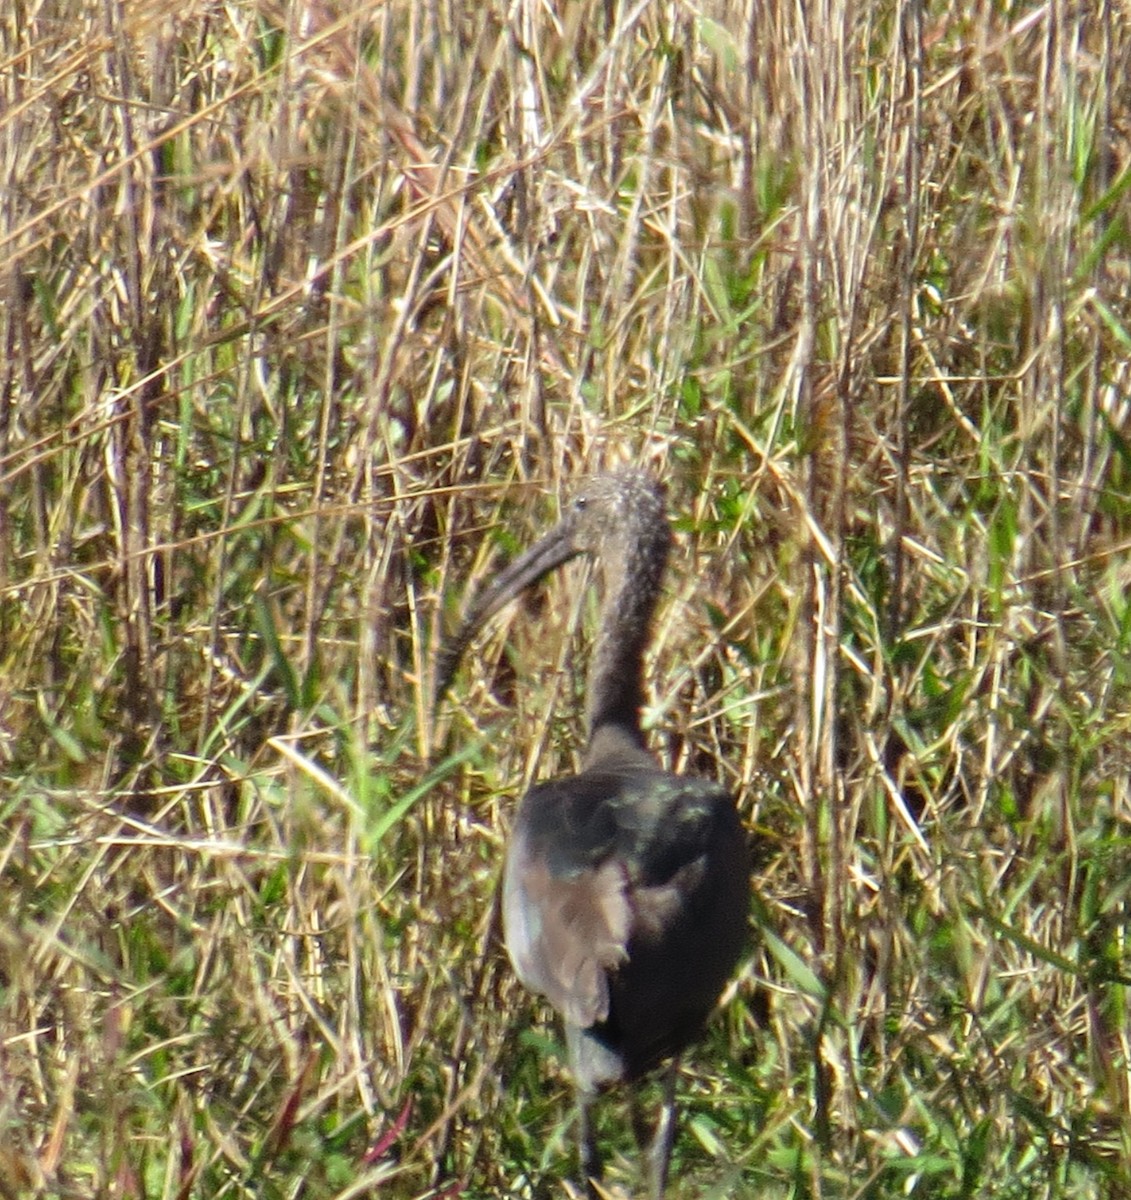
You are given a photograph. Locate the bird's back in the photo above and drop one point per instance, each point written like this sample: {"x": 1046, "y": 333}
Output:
{"x": 625, "y": 903}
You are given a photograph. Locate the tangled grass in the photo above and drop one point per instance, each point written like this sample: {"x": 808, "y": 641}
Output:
{"x": 309, "y": 313}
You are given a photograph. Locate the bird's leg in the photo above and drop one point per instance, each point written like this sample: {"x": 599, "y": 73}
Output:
{"x": 589, "y": 1155}
{"x": 660, "y": 1152}
{"x": 642, "y": 1129}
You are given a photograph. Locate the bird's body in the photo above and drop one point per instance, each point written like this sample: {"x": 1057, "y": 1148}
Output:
{"x": 625, "y": 887}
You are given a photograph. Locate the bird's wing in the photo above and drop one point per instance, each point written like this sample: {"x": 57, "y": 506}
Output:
{"x": 597, "y": 860}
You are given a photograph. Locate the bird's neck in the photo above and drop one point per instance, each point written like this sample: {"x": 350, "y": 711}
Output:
{"x": 616, "y": 676}
{"x": 619, "y": 749}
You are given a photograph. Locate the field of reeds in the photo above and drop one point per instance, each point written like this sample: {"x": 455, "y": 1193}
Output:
{"x": 310, "y": 312}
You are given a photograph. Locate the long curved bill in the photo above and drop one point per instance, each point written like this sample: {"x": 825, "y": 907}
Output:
{"x": 543, "y": 557}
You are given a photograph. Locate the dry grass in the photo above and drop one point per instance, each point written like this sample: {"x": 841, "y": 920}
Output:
{"x": 307, "y": 313}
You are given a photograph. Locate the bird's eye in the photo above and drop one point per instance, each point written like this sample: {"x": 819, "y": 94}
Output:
{"x": 580, "y": 503}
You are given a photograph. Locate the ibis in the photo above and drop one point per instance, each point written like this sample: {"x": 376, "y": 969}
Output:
{"x": 626, "y": 888}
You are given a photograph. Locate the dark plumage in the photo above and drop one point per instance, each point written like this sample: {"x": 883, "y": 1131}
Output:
{"x": 626, "y": 888}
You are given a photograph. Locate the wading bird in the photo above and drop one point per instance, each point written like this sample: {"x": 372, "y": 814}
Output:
{"x": 626, "y": 888}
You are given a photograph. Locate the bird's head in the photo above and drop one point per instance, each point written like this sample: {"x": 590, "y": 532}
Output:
{"x": 618, "y": 517}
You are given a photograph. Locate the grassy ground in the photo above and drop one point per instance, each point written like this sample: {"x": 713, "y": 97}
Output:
{"x": 309, "y": 316}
